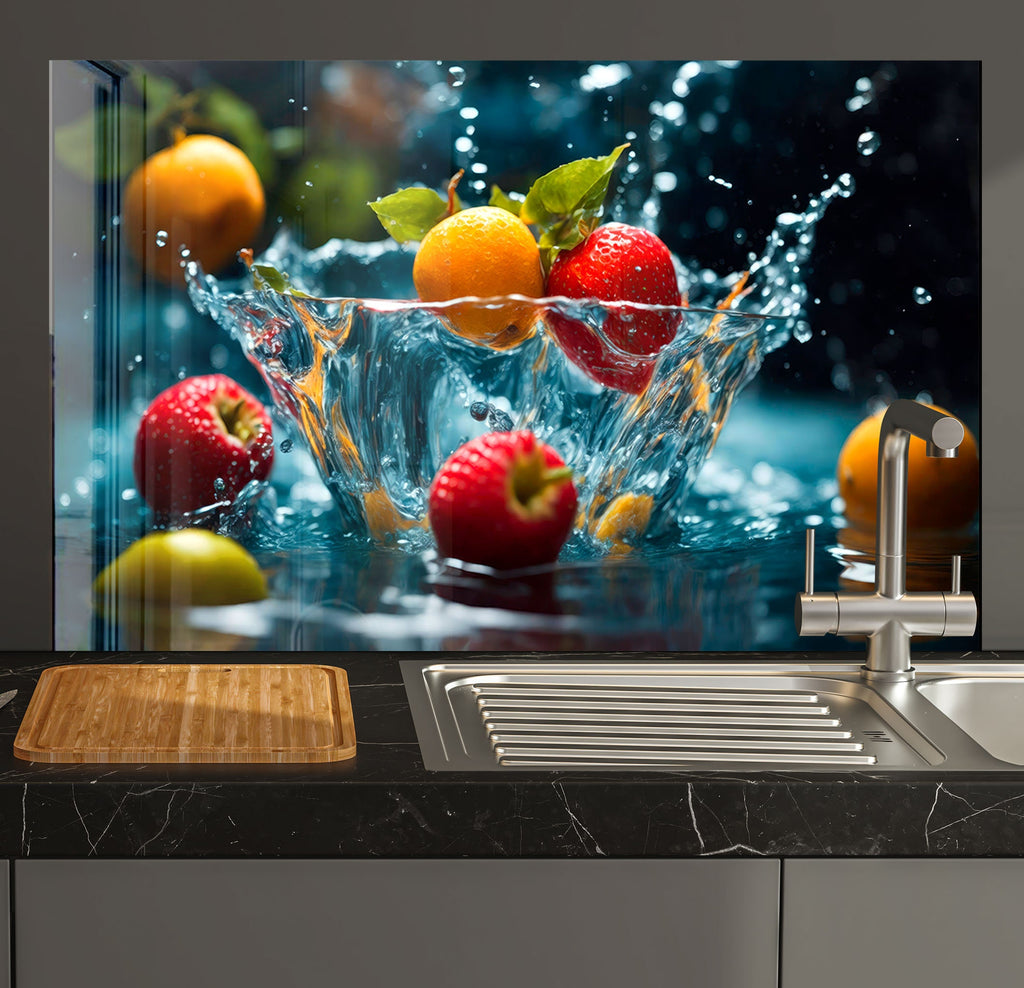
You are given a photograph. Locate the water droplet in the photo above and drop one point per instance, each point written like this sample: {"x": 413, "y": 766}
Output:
{"x": 219, "y": 485}
{"x": 922, "y": 296}
{"x": 86, "y": 314}
{"x": 161, "y": 238}
{"x": 309, "y": 184}
{"x": 65, "y": 500}
{"x": 845, "y": 186}
{"x": 469, "y": 113}
{"x": 456, "y": 76}
{"x": 535, "y": 85}
{"x": 129, "y": 494}
{"x": 115, "y": 220}
{"x": 868, "y": 143}
{"x": 499, "y": 421}
{"x": 802, "y": 332}
{"x": 720, "y": 181}
{"x": 479, "y": 410}
{"x": 286, "y": 445}
{"x": 291, "y": 99}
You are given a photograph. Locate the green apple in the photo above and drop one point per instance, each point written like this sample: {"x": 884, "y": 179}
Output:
{"x": 189, "y": 567}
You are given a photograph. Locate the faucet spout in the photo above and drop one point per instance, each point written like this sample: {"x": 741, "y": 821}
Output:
{"x": 942, "y": 434}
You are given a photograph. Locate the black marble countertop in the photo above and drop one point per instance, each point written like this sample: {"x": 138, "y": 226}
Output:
{"x": 384, "y": 803}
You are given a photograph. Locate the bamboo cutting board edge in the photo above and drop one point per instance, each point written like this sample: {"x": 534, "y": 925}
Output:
{"x": 41, "y": 702}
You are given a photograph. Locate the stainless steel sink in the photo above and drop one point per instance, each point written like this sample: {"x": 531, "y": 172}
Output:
{"x": 990, "y": 710}
{"x": 519, "y": 715}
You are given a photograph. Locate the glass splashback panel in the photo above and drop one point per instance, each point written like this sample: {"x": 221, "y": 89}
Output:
{"x": 692, "y": 288}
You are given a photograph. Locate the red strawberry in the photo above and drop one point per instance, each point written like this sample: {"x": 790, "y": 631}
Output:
{"x": 504, "y": 500}
{"x": 617, "y": 263}
{"x": 200, "y": 441}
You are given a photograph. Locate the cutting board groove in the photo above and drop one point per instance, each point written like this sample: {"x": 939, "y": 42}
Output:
{"x": 188, "y": 713}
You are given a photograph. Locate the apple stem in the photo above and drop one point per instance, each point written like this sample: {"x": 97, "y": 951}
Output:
{"x": 554, "y": 475}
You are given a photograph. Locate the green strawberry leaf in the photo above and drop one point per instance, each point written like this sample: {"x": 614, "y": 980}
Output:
{"x": 512, "y": 202}
{"x": 409, "y": 213}
{"x": 566, "y": 203}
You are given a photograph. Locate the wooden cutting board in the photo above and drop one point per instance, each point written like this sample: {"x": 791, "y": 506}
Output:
{"x": 188, "y": 713}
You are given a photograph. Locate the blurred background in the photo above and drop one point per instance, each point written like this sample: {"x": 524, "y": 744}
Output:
{"x": 721, "y": 150}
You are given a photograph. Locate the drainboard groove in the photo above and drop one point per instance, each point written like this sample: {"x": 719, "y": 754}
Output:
{"x": 662, "y": 730}
{"x": 711, "y": 706}
{"x": 607, "y": 758}
{"x": 660, "y": 719}
{"x": 508, "y": 741}
{"x": 633, "y": 693}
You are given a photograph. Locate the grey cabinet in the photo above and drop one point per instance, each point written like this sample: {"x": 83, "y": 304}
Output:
{"x": 5, "y": 924}
{"x": 885, "y": 921}
{"x": 397, "y": 923}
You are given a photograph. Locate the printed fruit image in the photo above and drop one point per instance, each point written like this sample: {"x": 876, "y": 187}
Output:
{"x": 486, "y": 252}
{"x": 941, "y": 493}
{"x": 201, "y": 192}
{"x": 503, "y": 248}
{"x": 504, "y": 500}
{"x": 201, "y": 441}
{"x": 617, "y": 262}
{"x": 189, "y": 567}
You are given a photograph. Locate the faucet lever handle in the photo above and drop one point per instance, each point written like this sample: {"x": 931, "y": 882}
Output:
{"x": 956, "y": 574}
{"x": 809, "y": 563}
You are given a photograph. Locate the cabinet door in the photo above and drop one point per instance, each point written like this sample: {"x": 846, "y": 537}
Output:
{"x": 5, "y": 924}
{"x": 394, "y": 923}
{"x": 884, "y": 921}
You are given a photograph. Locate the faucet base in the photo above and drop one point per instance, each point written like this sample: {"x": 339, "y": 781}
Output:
{"x": 887, "y": 676}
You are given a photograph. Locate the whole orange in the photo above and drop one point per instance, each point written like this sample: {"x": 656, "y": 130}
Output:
{"x": 201, "y": 192}
{"x": 486, "y": 252}
{"x": 941, "y": 493}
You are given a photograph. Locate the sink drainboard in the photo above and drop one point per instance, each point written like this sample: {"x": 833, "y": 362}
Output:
{"x": 561, "y": 725}
{"x": 600, "y": 720}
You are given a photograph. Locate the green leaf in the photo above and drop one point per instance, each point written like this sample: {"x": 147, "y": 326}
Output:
{"x": 266, "y": 276}
{"x": 287, "y": 142}
{"x": 158, "y": 92}
{"x": 85, "y": 146}
{"x": 512, "y": 202}
{"x": 409, "y": 213}
{"x": 221, "y": 110}
{"x": 565, "y": 204}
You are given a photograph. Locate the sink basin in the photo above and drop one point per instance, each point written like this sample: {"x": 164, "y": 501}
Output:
{"x": 522, "y": 714}
{"x": 990, "y": 710}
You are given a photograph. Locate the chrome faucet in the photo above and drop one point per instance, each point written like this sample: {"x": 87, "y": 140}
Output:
{"x": 890, "y": 616}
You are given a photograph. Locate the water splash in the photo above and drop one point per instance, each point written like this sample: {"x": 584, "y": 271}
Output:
{"x": 382, "y": 391}
{"x": 922, "y": 296}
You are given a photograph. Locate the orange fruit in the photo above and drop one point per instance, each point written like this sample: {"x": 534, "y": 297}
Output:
{"x": 487, "y": 252}
{"x": 625, "y": 521}
{"x": 201, "y": 192}
{"x": 941, "y": 493}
